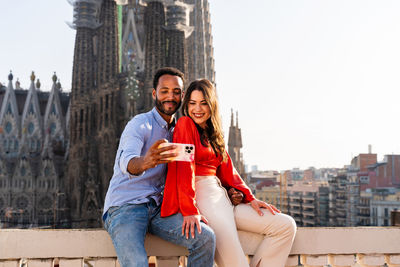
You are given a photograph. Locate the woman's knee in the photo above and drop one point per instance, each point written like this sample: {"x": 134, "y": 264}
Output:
{"x": 288, "y": 225}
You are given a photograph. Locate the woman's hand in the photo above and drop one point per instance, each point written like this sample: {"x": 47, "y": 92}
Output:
{"x": 235, "y": 196}
{"x": 258, "y": 204}
{"x": 189, "y": 222}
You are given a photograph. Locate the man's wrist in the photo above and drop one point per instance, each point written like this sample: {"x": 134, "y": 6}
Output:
{"x": 137, "y": 166}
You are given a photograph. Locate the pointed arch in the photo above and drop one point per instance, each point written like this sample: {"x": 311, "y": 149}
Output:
{"x": 54, "y": 122}
{"x": 32, "y": 130}
{"x": 9, "y": 123}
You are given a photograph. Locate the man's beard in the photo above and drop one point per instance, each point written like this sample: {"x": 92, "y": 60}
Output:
{"x": 160, "y": 107}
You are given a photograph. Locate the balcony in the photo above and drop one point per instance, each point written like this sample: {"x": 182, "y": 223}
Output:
{"x": 308, "y": 222}
{"x": 348, "y": 246}
{"x": 309, "y": 205}
{"x": 295, "y": 204}
{"x": 295, "y": 211}
{"x": 298, "y": 197}
{"x": 309, "y": 215}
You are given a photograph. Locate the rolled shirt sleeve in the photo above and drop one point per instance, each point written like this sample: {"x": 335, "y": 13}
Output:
{"x": 131, "y": 145}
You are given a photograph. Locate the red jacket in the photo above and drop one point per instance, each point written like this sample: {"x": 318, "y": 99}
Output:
{"x": 179, "y": 192}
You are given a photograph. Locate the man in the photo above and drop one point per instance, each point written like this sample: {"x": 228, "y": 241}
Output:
{"x": 133, "y": 200}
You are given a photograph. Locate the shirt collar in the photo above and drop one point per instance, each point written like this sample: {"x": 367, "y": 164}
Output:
{"x": 160, "y": 120}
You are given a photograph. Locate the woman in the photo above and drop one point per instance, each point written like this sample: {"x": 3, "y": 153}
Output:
{"x": 196, "y": 189}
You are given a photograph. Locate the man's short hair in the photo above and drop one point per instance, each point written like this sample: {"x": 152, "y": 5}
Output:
{"x": 167, "y": 70}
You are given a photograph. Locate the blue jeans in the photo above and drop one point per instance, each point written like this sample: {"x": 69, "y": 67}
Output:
{"x": 128, "y": 225}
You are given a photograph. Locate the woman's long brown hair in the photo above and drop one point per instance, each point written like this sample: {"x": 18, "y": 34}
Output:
{"x": 213, "y": 132}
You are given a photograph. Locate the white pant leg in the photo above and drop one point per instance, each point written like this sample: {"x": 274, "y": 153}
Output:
{"x": 279, "y": 231}
{"x": 213, "y": 203}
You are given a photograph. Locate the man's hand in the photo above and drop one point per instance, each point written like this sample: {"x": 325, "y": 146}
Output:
{"x": 152, "y": 158}
{"x": 235, "y": 196}
{"x": 190, "y": 222}
{"x": 258, "y": 204}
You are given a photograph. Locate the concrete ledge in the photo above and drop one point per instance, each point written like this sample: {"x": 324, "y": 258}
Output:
{"x": 45, "y": 244}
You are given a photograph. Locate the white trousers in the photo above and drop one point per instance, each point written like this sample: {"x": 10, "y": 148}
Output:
{"x": 278, "y": 230}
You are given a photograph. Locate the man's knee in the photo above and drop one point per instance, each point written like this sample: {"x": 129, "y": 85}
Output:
{"x": 207, "y": 236}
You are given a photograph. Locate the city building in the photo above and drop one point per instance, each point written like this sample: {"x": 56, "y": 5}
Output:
{"x": 384, "y": 200}
{"x": 302, "y": 203}
{"x": 364, "y": 207}
{"x": 383, "y": 174}
{"x": 269, "y": 194}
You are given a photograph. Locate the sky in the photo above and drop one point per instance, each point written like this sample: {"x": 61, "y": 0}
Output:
{"x": 314, "y": 82}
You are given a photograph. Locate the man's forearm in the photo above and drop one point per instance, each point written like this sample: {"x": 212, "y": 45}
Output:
{"x": 137, "y": 165}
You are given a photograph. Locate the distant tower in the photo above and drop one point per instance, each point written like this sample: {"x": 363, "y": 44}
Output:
{"x": 178, "y": 30}
{"x": 93, "y": 110}
{"x": 155, "y": 48}
{"x": 235, "y": 145}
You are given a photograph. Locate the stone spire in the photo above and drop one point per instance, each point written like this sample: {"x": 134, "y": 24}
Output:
{"x": 17, "y": 84}
{"x": 235, "y": 144}
{"x": 10, "y": 78}
{"x": 38, "y": 84}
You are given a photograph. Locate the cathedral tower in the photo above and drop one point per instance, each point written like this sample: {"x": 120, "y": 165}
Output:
{"x": 94, "y": 116}
{"x": 235, "y": 145}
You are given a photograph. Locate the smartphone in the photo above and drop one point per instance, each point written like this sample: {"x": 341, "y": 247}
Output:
{"x": 185, "y": 151}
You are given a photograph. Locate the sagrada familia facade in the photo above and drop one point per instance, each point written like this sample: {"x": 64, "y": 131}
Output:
{"x": 57, "y": 149}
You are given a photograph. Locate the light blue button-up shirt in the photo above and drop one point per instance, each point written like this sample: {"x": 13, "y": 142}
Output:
{"x": 139, "y": 135}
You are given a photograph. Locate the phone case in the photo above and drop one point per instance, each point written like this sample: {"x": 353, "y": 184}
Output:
{"x": 185, "y": 151}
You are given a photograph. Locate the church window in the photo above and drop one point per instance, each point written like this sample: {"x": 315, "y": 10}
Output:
{"x": 53, "y": 109}
{"x": 32, "y": 145}
{"x": 16, "y": 145}
{"x": 22, "y": 202}
{"x": 23, "y": 171}
{"x": 38, "y": 145}
{"x": 130, "y": 36}
{"x": 31, "y": 110}
{"x": 8, "y": 127}
{"x": 53, "y": 128}
{"x": 23, "y": 184}
{"x": 9, "y": 111}
{"x": 45, "y": 203}
{"x": 130, "y": 53}
{"x": 31, "y": 128}
{"x": 47, "y": 171}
